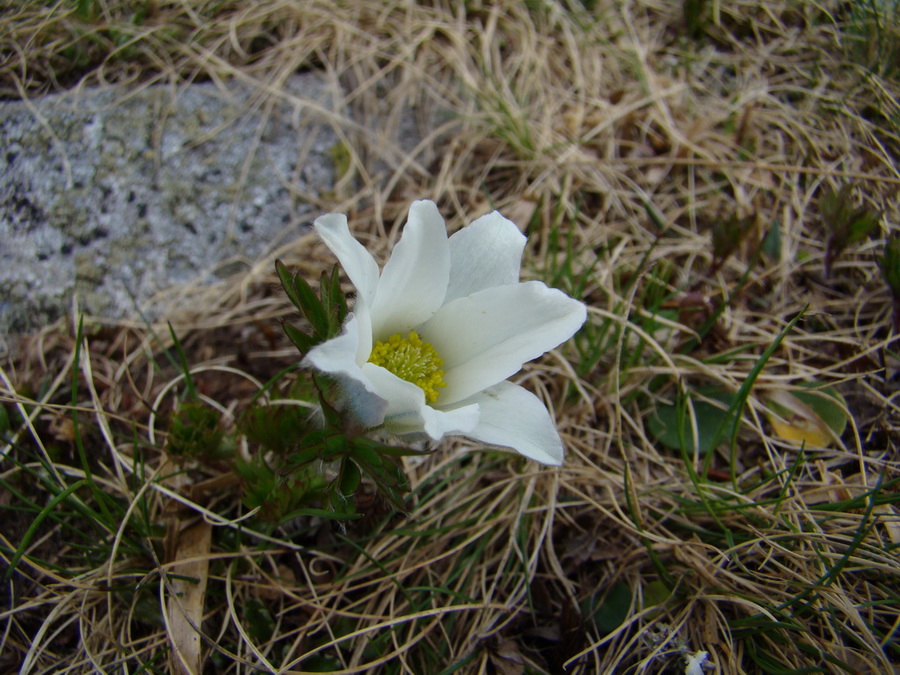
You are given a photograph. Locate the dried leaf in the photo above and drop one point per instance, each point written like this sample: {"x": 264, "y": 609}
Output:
{"x": 185, "y": 607}
{"x": 507, "y": 659}
{"x": 810, "y": 418}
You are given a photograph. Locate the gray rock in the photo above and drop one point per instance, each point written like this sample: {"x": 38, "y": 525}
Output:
{"x": 117, "y": 195}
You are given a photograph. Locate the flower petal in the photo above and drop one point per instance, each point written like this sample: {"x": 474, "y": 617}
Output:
{"x": 486, "y": 337}
{"x": 366, "y": 408}
{"x": 364, "y": 330}
{"x": 414, "y": 280}
{"x": 408, "y": 413}
{"x": 486, "y": 253}
{"x": 357, "y": 262}
{"x": 513, "y": 417}
{"x": 338, "y": 357}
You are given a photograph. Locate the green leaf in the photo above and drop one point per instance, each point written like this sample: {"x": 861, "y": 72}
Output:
{"x": 85, "y": 9}
{"x": 367, "y": 453}
{"x": 772, "y": 245}
{"x": 333, "y": 417}
{"x": 672, "y": 423}
{"x": 33, "y": 528}
{"x": 275, "y": 427}
{"x": 349, "y": 478}
{"x": 728, "y": 234}
{"x": 656, "y": 593}
{"x": 304, "y": 298}
{"x": 611, "y": 611}
{"x": 342, "y": 505}
{"x": 334, "y": 301}
{"x": 861, "y": 224}
{"x": 326, "y": 445}
{"x": 834, "y": 205}
{"x": 258, "y": 620}
{"x": 287, "y": 282}
{"x": 384, "y": 470}
{"x": 695, "y": 17}
{"x": 827, "y": 403}
{"x": 890, "y": 264}
{"x": 342, "y": 158}
{"x": 846, "y": 224}
{"x": 319, "y": 513}
{"x": 389, "y": 450}
{"x": 277, "y": 493}
{"x": 196, "y": 432}
{"x": 301, "y": 340}
{"x": 810, "y": 418}
{"x": 5, "y": 424}
{"x": 183, "y": 363}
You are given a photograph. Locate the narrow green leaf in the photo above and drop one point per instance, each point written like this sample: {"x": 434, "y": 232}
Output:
{"x": 312, "y": 307}
{"x": 32, "y": 529}
{"x": 366, "y": 454}
{"x": 654, "y": 216}
{"x": 287, "y": 283}
{"x": 861, "y": 225}
{"x": 304, "y": 298}
{"x": 695, "y": 17}
{"x": 334, "y": 301}
{"x": 890, "y": 264}
{"x": 276, "y": 428}
{"x": 744, "y": 393}
{"x": 5, "y": 423}
{"x": 183, "y": 364}
{"x": 845, "y": 223}
{"x": 727, "y": 234}
{"x": 84, "y": 9}
{"x": 301, "y": 340}
{"x": 320, "y": 513}
{"x": 101, "y": 497}
{"x": 323, "y": 384}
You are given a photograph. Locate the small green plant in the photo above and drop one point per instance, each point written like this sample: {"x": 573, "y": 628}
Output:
{"x": 696, "y": 17}
{"x": 873, "y": 35}
{"x": 890, "y": 271}
{"x": 845, "y": 223}
{"x": 303, "y": 458}
{"x": 728, "y": 234}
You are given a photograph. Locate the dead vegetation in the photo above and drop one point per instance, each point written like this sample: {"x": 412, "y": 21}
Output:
{"x": 672, "y": 168}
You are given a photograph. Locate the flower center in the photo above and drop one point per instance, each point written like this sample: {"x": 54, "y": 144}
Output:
{"x": 413, "y": 360}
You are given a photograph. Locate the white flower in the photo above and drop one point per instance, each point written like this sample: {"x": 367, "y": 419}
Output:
{"x": 696, "y": 663}
{"x": 434, "y": 335}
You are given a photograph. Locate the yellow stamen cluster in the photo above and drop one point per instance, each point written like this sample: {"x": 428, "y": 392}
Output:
{"x": 413, "y": 360}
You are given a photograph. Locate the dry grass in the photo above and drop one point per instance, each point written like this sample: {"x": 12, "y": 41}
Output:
{"x": 578, "y": 124}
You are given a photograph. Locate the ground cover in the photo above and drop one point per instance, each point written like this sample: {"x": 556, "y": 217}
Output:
{"x": 718, "y": 183}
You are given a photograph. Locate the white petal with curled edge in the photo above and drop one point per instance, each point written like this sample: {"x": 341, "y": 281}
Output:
{"x": 408, "y": 413}
{"x": 357, "y": 262}
{"x": 486, "y": 253}
{"x": 414, "y": 280}
{"x": 337, "y": 357}
{"x": 513, "y": 417}
{"x": 486, "y": 337}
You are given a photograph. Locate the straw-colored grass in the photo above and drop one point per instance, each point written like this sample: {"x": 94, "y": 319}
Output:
{"x": 625, "y": 138}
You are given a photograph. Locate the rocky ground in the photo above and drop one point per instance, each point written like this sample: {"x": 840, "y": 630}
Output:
{"x": 113, "y": 195}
